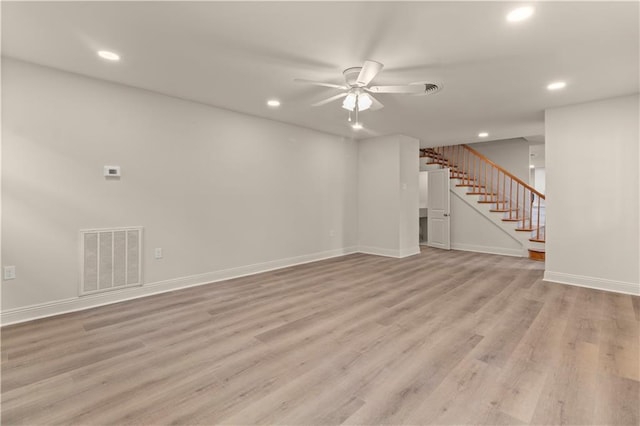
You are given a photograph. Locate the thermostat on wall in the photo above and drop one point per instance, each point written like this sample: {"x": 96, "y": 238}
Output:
{"x": 112, "y": 171}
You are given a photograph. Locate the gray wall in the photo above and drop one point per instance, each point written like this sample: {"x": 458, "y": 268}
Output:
{"x": 510, "y": 154}
{"x": 388, "y": 195}
{"x": 472, "y": 231}
{"x": 409, "y": 196}
{"x": 215, "y": 189}
{"x": 592, "y": 194}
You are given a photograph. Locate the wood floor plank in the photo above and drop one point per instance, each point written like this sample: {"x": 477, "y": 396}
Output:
{"x": 517, "y": 389}
{"x": 454, "y": 401}
{"x": 20, "y": 374}
{"x": 617, "y": 401}
{"x": 570, "y": 392}
{"x": 496, "y": 349}
{"x": 396, "y": 398}
{"x": 444, "y": 337}
{"x": 636, "y": 307}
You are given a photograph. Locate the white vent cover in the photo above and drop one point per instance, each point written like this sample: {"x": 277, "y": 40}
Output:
{"x": 110, "y": 259}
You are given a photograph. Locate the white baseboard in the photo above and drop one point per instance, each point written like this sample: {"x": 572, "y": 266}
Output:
{"x": 593, "y": 282}
{"x": 42, "y": 310}
{"x": 378, "y": 251}
{"x": 489, "y": 250}
{"x": 397, "y": 253}
{"x": 406, "y": 252}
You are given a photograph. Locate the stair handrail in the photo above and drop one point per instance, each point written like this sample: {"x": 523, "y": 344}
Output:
{"x": 506, "y": 172}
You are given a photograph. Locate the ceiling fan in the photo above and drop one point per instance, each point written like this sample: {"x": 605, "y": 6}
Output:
{"x": 358, "y": 94}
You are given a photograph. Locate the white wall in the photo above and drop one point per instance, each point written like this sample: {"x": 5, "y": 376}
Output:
{"x": 510, "y": 154}
{"x": 215, "y": 189}
{"x": 472, "y": 231}
{"x": 540, "y": 179}
{"x": 592, "y": 194}
{"x": 422, "y": 188}
{"x": 388, "y": 195}
{"x": 378, "y": 195}
{"x": 409, "y": 195}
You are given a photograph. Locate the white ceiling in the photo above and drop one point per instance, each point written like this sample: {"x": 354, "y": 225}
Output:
{"x": 237, "y": 55}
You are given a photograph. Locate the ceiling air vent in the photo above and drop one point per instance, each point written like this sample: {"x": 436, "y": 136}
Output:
{"x": 430, "y": 88}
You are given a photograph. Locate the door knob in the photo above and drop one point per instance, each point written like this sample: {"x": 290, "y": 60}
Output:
{"x": 446, "y": 215}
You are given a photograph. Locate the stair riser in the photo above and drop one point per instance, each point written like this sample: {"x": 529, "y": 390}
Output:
{"x": 540, "y": 257}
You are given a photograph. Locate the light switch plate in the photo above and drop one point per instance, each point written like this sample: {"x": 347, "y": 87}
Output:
{"x": 9, "y": 273}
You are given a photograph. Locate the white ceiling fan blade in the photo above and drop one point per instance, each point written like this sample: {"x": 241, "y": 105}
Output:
{"x": 368, "y": 72}
{"x": 319, "y": 83}
{"x": 412, "y": 89}
{"x": 331, "y": 99}
{"x": 376, "y": 104}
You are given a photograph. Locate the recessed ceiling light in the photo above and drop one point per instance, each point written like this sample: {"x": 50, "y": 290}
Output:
{"x": 531, "y": 166}
{"x": 273, "y": 103}
{"x": 357, "y": 126}
{"x": 483, "y": 134}
{"x": 520, "y": 14}
{"x": 110, "y": 56}
{"x": 557, "y": 85}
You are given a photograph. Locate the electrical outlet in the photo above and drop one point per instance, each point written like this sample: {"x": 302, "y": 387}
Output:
{"x": 9, "y": 273}
{"x": 158, "y": 253}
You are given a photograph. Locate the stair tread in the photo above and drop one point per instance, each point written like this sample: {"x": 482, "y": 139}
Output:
{"x": 526, "y": 229}
{"x": 502, "y": 210}
{"x": 512, "y": 219}
{"x": 534, "y": 240}
{"x": 490, "y": 201}
{"x": 537, "y": 250}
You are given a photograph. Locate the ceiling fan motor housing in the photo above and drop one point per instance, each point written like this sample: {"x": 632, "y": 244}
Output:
{"x": 351, "y": 76}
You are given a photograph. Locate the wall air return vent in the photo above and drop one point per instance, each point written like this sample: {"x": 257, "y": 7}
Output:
{"x": 111, "y": 259}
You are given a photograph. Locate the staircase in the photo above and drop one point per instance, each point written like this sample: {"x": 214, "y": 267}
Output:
{"x": 499, "y": 195}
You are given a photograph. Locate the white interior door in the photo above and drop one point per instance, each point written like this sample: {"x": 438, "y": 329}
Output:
{"x": 438, "y": 200}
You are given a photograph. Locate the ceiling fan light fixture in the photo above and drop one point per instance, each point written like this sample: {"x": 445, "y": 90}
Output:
{"x": 349, "y": 102}
{"x": 357, "y": 126}
{"x": 364, "y": 102}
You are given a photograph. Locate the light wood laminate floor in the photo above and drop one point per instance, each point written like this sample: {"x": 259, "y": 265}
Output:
{"x": 437, "y": 338}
